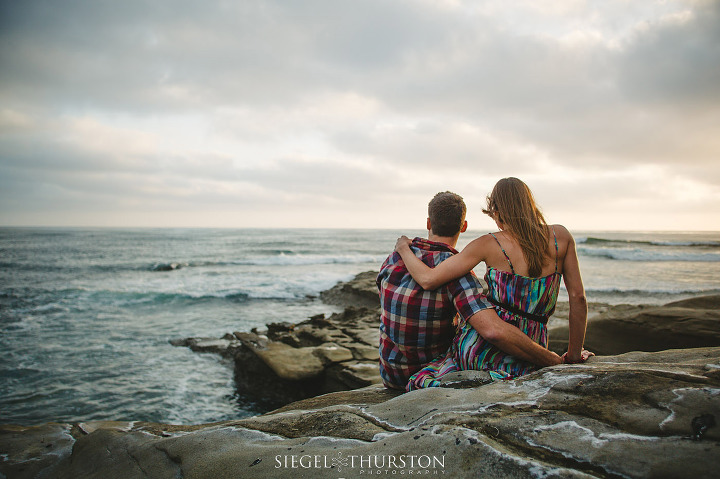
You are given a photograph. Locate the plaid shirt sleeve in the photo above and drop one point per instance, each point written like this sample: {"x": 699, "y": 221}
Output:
{"x": 467, "y": 295}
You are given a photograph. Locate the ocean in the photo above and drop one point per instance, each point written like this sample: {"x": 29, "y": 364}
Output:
{"x": 86, "y": 315}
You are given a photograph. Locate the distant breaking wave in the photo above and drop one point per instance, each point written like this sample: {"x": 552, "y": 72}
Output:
{"x": 59, "y": 299}
{"x": 302, "y": 259}
{"x": 649, "y": 292}
{"x": 637, "y": 254}
{"x": 619, "y": 242}
{"x": 277, "y": 258}
{"x": 290, "y": 259}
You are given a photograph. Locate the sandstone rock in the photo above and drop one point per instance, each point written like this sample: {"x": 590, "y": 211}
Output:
{"x": 361, "y": 397}
{"x": 634, "y": 415}
{"x": 360, "y": 291}
{"x": 357, "y": 375}
{"x": 364, "y": 353}
{"x": 701, "y": 302}
{"x": 256, "y": 379}
{"x": 368, "y": 336}
{"x": 291, "y": 363}
{"x": 619, "y": 329}
{"x": 332, "y": 353}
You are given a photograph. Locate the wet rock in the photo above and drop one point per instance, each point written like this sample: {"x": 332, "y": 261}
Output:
{"x": 223, "y": 346}
{"x": 166, "y": 266}
{"x": 465, "y": 379}
{"x": 700, "y": 425}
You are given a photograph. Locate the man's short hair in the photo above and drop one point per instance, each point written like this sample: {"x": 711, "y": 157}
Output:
{"x": 447, "y": 213}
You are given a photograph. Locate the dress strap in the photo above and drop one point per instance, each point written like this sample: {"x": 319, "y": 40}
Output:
{"x": 506, "y": 256}
{"x": 556, "y": 247}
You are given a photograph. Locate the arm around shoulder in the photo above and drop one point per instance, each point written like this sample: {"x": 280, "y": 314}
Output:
{"x": 459, "y": 264}
{"x": 453, "y": 267}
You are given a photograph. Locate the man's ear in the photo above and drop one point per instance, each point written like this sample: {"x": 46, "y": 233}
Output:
{"x": 429, "y": 225}
{"x": 464, "y": 227}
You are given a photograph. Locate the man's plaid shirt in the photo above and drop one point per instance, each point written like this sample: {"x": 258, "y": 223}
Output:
{"x": 417, "y": 325}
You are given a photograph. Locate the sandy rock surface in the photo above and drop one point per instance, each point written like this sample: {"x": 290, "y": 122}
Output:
{"x": 632, "y": 415}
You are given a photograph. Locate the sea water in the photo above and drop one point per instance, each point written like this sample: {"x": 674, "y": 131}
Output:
{"x": 86, "y": 315}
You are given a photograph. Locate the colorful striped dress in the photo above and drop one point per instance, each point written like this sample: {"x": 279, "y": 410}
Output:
{"x": 519, "y": 300}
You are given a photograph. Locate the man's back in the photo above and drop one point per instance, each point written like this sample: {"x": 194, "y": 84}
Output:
{"x": 416, "y": 325}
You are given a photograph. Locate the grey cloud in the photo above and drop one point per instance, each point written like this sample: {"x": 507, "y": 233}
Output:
{"x": 321, "y": 178}
{"x": 530, "y": 101}
{"x": 676, "y": 63}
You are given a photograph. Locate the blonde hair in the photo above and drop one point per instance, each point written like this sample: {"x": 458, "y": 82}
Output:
{"x": 515, "y": 206}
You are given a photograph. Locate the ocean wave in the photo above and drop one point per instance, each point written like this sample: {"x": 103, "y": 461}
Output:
{"x": 649, "y": 292}
{"x": 299, "y": 288}
{"x": 167, "y": 266}
{"x": 620, "y": 242}
{"x": 308, "y": 259}
{"x": 636, "y": 254}
{"x": 45, "y": 302}
{"x": 277, "y": 258}
{"x": 150, "y": 298}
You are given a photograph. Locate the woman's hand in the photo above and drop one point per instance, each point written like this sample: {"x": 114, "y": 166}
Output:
{"x": 402, "y": 242}
{"x": 584, "y": 356}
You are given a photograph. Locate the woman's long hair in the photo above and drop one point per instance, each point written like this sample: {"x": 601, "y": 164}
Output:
{"x": 515, "y": 205}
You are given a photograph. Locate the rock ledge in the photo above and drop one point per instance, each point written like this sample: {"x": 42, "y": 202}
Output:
{"x": 633, "y": 415}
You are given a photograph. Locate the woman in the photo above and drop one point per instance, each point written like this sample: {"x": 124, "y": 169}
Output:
{"x": 525, "y": 261}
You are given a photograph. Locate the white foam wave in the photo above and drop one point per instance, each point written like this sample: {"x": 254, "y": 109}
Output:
{"x": 686, "y": 243}
{"x": 649, "y": 291}
{"x": 230, "y": 285}
{"x": 284, "y": 259}
{"x": 647, "y": 242}
{"x": 639, "y": 254}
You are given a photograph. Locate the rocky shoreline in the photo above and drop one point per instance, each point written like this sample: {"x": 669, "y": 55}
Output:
{"x": 623, "y": 414}
{"x": 288, "y": 362}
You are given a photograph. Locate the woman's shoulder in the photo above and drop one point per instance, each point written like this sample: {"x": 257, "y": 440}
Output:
{"x": 484, "y": 240}
{"x": 478, "y": 247}
{"x": 562, "y": 233}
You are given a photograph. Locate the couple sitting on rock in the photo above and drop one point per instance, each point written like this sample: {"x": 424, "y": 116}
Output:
{"x": 426, "y": 283}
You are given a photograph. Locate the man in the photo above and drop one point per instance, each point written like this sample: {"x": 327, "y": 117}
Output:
{"x": 417, "y": 325}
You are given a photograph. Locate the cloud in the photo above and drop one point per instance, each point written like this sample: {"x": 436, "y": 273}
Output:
{"x": 296, "y": 109}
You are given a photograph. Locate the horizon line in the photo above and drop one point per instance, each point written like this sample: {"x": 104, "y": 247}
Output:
{"x": 106, "y": 227}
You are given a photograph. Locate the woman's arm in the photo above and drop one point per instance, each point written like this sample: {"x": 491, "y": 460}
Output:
{"x": 453, "y": 267}
{"x": 578, "y": 303}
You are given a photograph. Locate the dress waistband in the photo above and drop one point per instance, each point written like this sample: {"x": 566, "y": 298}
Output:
{"x": 534, "y": 317}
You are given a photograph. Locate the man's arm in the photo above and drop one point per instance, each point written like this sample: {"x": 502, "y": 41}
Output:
{"x": 470, "y": 303}
{"x": 510, "y": 339}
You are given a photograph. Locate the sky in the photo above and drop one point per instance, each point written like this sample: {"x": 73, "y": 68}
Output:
{"x": 353, "y": 114}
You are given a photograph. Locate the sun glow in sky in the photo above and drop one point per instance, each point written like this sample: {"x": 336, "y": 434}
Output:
{"x": 339, "y": 113}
